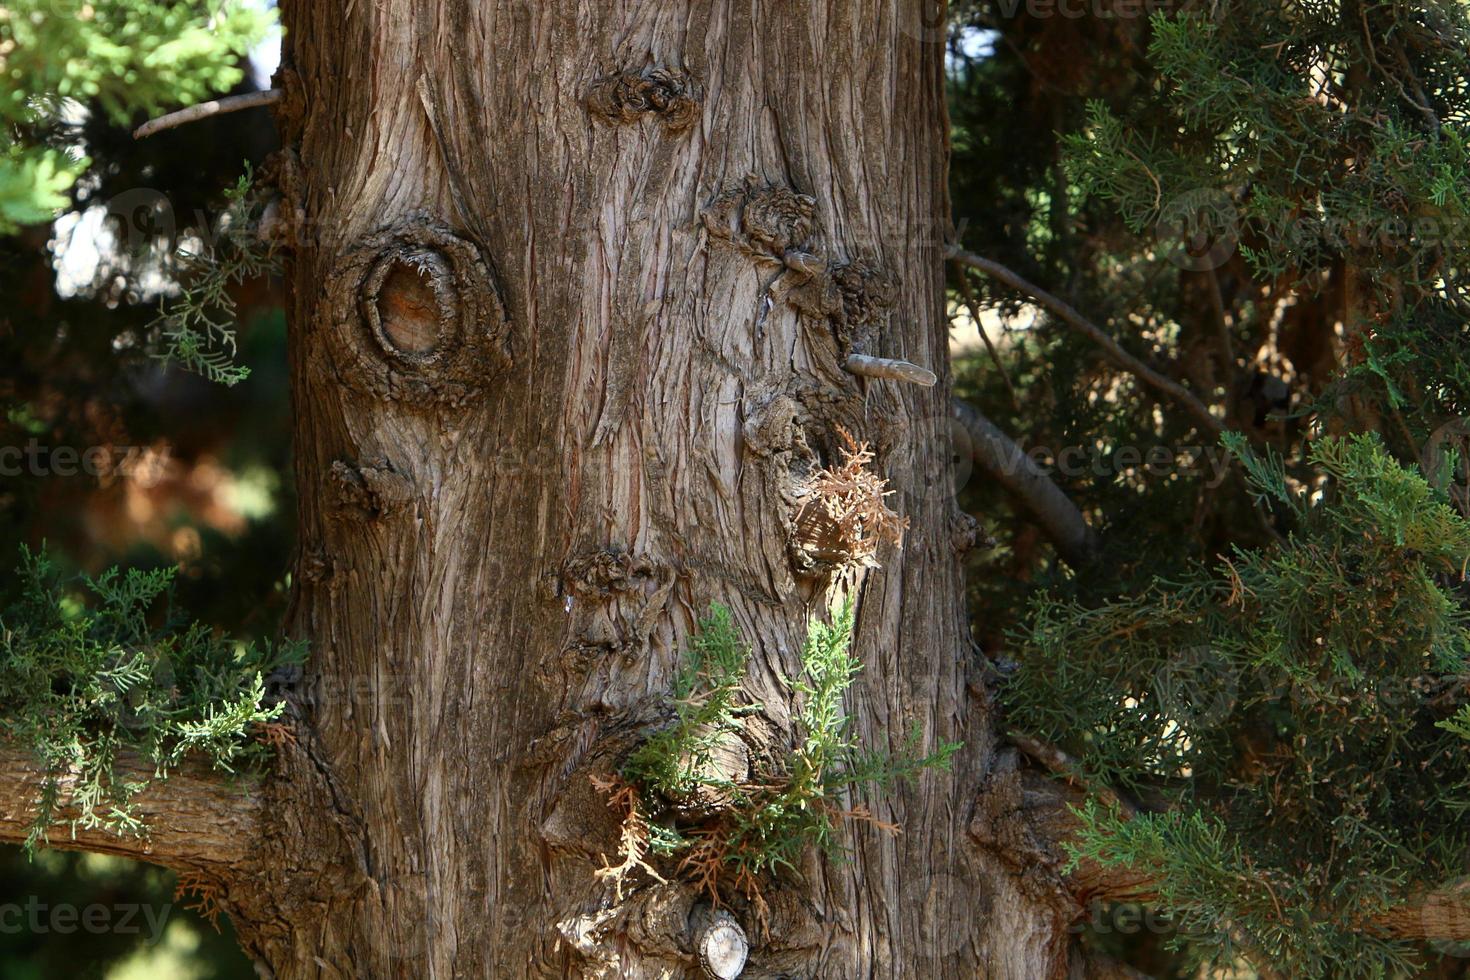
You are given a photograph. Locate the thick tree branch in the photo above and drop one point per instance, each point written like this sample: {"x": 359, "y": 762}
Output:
{"x": 1007, "y": 463}
{"x": 196, "y": 818}
{"x": 1436, "y": 915}
{"x": 1069, "y": 315}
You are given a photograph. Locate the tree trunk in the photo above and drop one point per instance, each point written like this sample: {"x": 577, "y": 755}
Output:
{"x": 572, "y": 290}
{"x": 573, "y": 286}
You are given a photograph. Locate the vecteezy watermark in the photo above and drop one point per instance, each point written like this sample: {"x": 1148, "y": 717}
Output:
{"x": 63, "y": 918}
{"x": 1125, "y": 919}
{"x": 953, "y": 455}
{"x": 143, "y": 465}
{"x": 143, "y": 220}
{"x": 944, "y": 470}
{"x": 1445, "y": 461}
{"x": 141, "y": 216}
{"x": 925, "y": 20}
{"x": 1157, "y": 460}
{"x": 928, "y": 20}
{"x": 1101, "y": 9}
{"x": 1443, "y": 912}
{"x": 1198, "y": 687}
{"x": 946, "y": 925}
{"x": 1199, "y": 229}
{"x": 363, "y": 694}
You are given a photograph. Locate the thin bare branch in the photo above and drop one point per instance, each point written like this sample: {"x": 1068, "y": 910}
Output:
{"x": 969, "y": 296}
{"x": 1069, "y": 315}
{"x": 214, "y": 107}
{"x": 1061, "y": 764}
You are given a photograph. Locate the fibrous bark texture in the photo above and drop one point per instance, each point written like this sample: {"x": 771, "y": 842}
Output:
{"x": 573, "y": 290}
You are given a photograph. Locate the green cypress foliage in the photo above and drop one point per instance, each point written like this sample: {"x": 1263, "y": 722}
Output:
{"x": 1288, "y": 717}
{"x": 1291, "y": 717}
{"x": 764, "y": 823}
{"x": 1327, "y": 137}
{"x": 197, "y": 326}
{"x": 93, "y": 669}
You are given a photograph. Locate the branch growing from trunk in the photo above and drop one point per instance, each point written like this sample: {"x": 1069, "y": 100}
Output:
{"x": 890, "y": 368}
{"x": 1069, "y": 315}
{"x": 1007, "y": 463}
{"x": 197, "y": 818}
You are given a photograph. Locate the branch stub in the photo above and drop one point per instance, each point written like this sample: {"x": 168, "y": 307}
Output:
{"x": 720, "y": 943}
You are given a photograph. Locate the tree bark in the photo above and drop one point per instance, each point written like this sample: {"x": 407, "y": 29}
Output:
{"x": 573, "y": 287}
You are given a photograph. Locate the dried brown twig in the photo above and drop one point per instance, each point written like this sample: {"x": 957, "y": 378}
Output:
{"x": 632, "y": 840}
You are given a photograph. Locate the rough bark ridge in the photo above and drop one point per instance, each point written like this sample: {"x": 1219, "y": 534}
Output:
{"x": 573, "y": 284}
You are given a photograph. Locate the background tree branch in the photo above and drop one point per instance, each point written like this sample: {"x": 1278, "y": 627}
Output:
{"x": 1007, "y": 463}
{"x": 1115, "y": 352}
{"x": 1438, "y": 915}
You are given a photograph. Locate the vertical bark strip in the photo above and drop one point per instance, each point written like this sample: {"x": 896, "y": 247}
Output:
{"x": 545, "y": 417}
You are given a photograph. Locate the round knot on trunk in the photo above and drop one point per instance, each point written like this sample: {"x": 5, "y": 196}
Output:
{"x": 409, "y": 301}
{"x": 416, "y": 316}
{"x": 667, "y": 93}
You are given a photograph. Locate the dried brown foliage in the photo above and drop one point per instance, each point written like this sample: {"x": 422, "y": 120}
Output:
{"x": 844, "y": 516}
{"x": 633, "y": 838}
{"x": 205, "y": 892}
{"x": 276, "y": 734}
